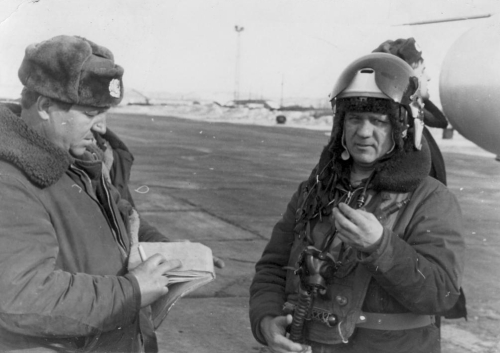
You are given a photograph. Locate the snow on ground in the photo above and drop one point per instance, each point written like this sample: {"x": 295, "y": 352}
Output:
{"x": 265, "y": 117}
{"x": 239, "y": 115}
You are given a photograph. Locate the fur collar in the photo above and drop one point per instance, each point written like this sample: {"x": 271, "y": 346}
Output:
{"x": 404, "y": 171}
{"x": 40, "y": 160}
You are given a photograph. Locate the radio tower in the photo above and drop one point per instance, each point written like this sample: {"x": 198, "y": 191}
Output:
{"x": 237, "y": 69}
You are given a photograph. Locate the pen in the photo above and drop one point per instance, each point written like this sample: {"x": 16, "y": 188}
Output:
{"x": 142, "y": 254}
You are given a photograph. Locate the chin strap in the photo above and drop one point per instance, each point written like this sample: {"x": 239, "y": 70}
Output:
{"x": 418, "y": 126}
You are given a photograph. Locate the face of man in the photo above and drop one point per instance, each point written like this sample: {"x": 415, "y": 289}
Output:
{"x": 72, "y": 129}
{"x": 368, "y": 136}
{"x": 423, "y": 79}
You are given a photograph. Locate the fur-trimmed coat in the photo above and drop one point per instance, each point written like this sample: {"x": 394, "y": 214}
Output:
{"x": 63, "y": 264}
{"x": 417, "y": 267}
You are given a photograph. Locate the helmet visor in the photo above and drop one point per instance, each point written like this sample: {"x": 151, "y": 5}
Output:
{"x": 392, "y": 76}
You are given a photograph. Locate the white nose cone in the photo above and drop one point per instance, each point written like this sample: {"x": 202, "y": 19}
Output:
{"x": 469, "y": 85}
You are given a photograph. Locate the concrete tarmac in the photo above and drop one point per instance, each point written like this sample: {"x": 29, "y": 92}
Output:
{"x": 226, "y": 185}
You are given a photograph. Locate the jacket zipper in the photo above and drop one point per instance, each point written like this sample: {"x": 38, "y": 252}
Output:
{"x": 111, "y": 222}
{"x": 108, "y": 197}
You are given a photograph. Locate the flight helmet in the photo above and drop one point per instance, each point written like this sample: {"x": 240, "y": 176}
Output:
{"x": 381, "y": 83}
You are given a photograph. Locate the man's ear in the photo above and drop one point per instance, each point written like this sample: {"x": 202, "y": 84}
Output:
{"x": 42, "y": 106}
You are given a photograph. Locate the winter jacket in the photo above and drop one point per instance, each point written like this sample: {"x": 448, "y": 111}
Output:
{"x": 63, "y": 251}
{"x": 118, "y": 160}
{"x": 120, "y": 168}
{"x": 417, "y": 267}
{"x": 433, "y": 117}
{"x": 438, "y": 168}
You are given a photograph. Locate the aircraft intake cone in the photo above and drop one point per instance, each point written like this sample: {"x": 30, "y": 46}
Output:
{"x": 469, "y": 85}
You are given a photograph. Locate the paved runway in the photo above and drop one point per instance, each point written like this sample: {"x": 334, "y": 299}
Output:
{"x": 226, "y": 185}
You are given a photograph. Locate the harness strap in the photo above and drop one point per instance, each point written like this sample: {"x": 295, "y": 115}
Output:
{"x": 393, "y": 322}
{"x": 373, "y": 321}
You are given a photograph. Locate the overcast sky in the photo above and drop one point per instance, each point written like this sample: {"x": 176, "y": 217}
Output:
{"x": 189, "y": 46}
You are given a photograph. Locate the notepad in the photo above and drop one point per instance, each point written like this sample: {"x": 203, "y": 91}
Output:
{"x": 197, "y": 269}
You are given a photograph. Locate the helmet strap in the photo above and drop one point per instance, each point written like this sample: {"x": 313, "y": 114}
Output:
{"x": 417, "y": 111}
{"x": 393, "y": 146}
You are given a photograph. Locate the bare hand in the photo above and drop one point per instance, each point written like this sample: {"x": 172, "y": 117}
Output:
{"x": 274, "y": 331}
{"x": 357, "y": 228}
{"x": 152, "y": 279}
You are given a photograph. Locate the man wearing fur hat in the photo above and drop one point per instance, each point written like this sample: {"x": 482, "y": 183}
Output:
{"x": 365, "y": 254}
{"x": 64, "y": 283}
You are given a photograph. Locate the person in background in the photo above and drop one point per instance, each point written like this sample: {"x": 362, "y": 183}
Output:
{"x": 118, "y": 160}
{"x": 366, "y": 254}
{"x": 64, "y": 283}
{"x": 410, "y": 51}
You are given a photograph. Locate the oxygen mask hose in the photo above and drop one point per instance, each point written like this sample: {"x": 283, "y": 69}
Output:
{"x": 300, "y": 314}
{"x": 313, "y": 265}
{"x": 360, "y": 202}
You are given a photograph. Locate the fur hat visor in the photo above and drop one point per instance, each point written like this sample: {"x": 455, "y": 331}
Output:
{"x": 73, "y": 70}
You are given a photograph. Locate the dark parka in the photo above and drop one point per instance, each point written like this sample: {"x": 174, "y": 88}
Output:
{"x": 63, "y": 251}
{"x": 120, "y": 165}
{"x": 433, "y": 117}
{"x": 416, "y": 269}
{"x": 119, "y": 160}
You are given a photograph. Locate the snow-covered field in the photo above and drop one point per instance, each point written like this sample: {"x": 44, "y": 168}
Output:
{"x": 240, "y": 115}
{"x": 265, "y": 117}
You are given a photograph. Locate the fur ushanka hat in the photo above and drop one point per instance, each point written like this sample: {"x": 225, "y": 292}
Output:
{"x": 73, "y": 70}
{"x": 406, "y": 49}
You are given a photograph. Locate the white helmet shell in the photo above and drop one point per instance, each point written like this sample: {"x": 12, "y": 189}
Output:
{"x": 363, "y": 85}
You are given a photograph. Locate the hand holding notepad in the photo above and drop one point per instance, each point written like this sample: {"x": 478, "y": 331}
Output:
{"x": 196, "y": 270}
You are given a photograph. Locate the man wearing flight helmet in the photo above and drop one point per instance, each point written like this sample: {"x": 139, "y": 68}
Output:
{"x": 365, "y": 254}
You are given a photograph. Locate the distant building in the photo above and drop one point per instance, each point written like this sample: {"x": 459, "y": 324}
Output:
{"x": 133, "y": 97}
{"x": 253, "y": 104}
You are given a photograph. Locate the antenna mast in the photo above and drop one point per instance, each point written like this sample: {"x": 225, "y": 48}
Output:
{"x": 237, "y": 69}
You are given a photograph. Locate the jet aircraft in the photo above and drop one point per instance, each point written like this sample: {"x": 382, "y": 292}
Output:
{"x": 469, "y": 83}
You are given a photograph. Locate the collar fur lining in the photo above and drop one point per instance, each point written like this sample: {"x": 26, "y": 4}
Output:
{"x": 41, "y": 161}
{"x": 404, "y": 171}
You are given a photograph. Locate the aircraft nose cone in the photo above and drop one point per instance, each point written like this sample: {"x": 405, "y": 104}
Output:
{"x": 469, "y": 85}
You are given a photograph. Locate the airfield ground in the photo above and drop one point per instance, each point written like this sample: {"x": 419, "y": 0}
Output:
{"x": 226, "y": 185}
